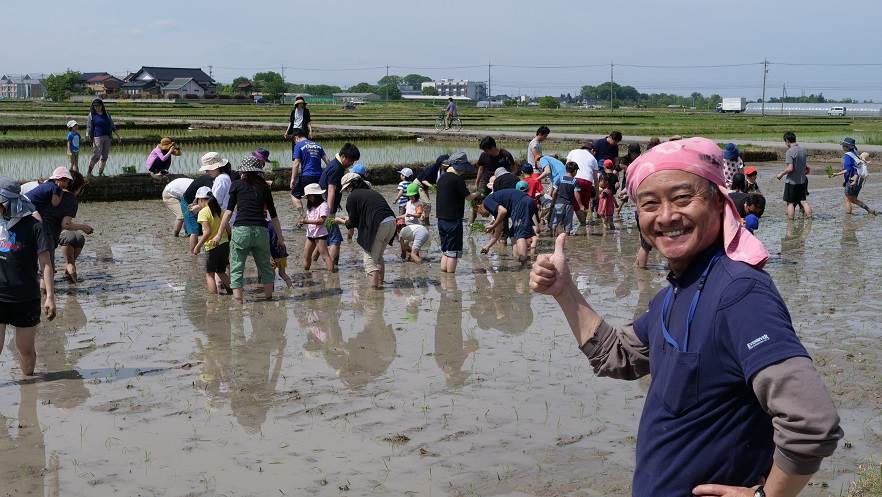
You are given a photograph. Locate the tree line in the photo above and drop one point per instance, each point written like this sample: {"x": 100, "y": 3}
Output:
{"x": 273, "y": 86}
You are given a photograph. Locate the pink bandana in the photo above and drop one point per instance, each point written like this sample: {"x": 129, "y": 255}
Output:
{"x": 701, "y": 157}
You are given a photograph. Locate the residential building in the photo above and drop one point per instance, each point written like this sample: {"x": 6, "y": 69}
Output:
{"x": 408, "y": 90}
{"x": 102, "y": 84}
{"x": 22, "y": 86}
{"x": 183, "y": 88}
{"x": 153, "y": 80}
{"x": 474, "y": 90}
{"x": 355, "y": 97}
{"x": 246, "y": 88}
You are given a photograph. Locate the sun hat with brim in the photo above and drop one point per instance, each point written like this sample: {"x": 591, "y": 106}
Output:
{"x": 262, "y": 154}
{"x": 61, "y": 172}
{"x": 72, "y": 123}
{"x": 348, "y": 179}
{"x": 313, "y": 189}
{"x": 250, "y": 164}
{"x": 359, "y": 169}
{"x": 749, "y": 170}
{"x": 412, "y": 189}
{"x": 299, "y": 100}
{"x": 500, "y": 171}
{"x": 460, "y": 162}
{"x": 731, "y": 152}
{"x": 406, "y": 172}
{"x": 849, "y": 142}
{"x": 203, "y": 192}
{"x": 522, "y": 186}
{"x": 212, "y": 161}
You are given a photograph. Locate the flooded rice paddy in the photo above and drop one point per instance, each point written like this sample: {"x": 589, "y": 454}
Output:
{"x": 30, "y": 163}
{"x": 460, "y": 386}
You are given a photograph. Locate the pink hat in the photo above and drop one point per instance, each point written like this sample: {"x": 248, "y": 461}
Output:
{"x": 701, "y": 157}
{"x": 61, "y": 172}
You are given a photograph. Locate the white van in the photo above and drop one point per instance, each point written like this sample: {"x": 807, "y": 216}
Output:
{"x": 836, "y": 111}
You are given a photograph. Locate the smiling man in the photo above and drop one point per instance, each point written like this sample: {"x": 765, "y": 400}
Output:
{"x": 735, "y": 406}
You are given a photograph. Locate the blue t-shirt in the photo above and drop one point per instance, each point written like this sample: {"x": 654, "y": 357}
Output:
{"x": 310, "y": 154}
{"x": 558, "y": 168}
{"x": 333, "y": 175}
{"x": 701, "y": 413}
{"x": 507, "y": 198}
{"x": 101, "y": 125}
{"x": 848, "y": 165}
{"x": 566, "y": 189}
{"x": 402, "y": 187}
{"x": 74, "y": 140}
{"x": 41, "y": 196}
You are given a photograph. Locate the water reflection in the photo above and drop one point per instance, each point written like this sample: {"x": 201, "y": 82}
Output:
{"x": 59, "y": 353}
{"x": 364, "y": 357}
{"x": 23, "y": 451}
{"x": 452, "y": 347}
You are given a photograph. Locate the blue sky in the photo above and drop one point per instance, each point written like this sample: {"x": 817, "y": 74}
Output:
{"x": 353, "y": 41}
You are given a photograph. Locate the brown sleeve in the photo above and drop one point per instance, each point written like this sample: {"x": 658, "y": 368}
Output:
{"x": 803, "y": 415}
{"x": 617, "y": 352}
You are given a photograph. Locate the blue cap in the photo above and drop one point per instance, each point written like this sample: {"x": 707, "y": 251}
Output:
{"x": 359, "y": 169}
{"x": 527, "y": 168}
{"x": 522, "y": 186}
{"x": 751, "y": 222}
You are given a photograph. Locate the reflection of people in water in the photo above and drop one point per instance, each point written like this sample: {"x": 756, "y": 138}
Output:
{"x": 215, "y": 351}
{"x": 321, "y": 321}
{"x": 23, "y": 456}
{"x": 58, "y": 356}
{"x": 366, "y": 356}
{"x": 256, "y": 363}
{"x": 451, "y": 348}
{"x": 502, "y": 302}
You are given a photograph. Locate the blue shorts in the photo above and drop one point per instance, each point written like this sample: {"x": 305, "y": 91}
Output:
{"x": 450, "y": 231}
{"x": 335, "y": 237}
{"x": 853, "y": 190}
{"x": 522, "y": 219}
{"x": 191, "y": 225}
{"x": 302, "y": 181}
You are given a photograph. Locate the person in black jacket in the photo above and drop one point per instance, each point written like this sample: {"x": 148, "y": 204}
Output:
{"x": 300, "y": 118}
{"x": 370, "y": 213}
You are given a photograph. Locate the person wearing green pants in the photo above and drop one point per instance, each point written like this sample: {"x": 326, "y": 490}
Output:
{"x": 249, "y": 196}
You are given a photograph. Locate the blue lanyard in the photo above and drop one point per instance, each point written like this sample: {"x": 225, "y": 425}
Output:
{"x": 666, "y": 308}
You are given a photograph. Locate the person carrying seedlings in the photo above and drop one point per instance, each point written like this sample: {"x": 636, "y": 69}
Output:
{"x": 450, "y": 199}
{"x": 735, "y": 406}
{"x": 317, "y": 212}
{"x": 414, "y": 235}
{"x": 517, "y": 206}
{"x": 24, "y": 247}
{"x": 331, "y": 181}
{"x": 565, "y": 201}
{"x": 73, "y": 144}
{"x": 209, "y": 217}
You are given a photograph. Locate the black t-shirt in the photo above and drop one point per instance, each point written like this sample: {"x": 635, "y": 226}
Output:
{"x": 738, "y": 198}
{"x": 450, "y": 197}
{"x": 250, "y": 202}
{"x": 190, "y": 192}
{"x": 505, "y": 182}
{"x": 19, "y": 259}
{"x": 490, "y": 164}
{"x": 366, "y": 209}
{"x": 54, "y": 216}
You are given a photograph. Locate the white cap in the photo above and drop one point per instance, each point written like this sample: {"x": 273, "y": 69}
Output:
{"x": 203, "y": 192}
{"x": 406, "y": 172}
{"x": 71, "y": 123}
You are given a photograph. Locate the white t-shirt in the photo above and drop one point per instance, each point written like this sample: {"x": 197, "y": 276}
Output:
{"x": 410, "y": 212}
{"x": 177, "y": 187}
{"x": 588, "y": 167}
{"x": 534, "y": 146}
{"x": 221, "y": 189}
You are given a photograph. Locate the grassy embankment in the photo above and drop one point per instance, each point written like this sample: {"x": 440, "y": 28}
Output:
{"x": 421, "y": 114}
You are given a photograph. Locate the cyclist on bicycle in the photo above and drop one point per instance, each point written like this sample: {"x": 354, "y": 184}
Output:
{"x": 451, "y": 112}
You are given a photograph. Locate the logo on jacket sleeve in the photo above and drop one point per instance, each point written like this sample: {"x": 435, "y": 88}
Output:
{"x": 757, "y": 342}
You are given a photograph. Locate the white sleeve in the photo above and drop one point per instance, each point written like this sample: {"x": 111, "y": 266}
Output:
{"x": 221, "y": 190}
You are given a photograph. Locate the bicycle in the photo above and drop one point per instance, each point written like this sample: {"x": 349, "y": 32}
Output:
{"x": 455, "y": 123}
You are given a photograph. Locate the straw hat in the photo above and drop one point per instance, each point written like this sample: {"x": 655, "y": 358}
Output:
{"x": 165, "y": 143}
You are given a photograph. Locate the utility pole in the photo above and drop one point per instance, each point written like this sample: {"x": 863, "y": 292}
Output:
{"x": 783, "y": 96}
{"x": 765, "y": 74}
{"x": 283, "y": 72}
{"x": 211, "y": 71}
{"x": 387, "y": 82}
{"x": 489, "y": 88}
{"x": 611, "y": 84}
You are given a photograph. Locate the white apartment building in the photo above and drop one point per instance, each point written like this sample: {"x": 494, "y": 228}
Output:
{"x": 474, "y": 90}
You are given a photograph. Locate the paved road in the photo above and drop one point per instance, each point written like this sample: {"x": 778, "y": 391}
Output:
{"x": 466, "y": 133}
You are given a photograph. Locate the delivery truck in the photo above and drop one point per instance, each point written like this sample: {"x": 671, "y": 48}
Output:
{"x": 737, "y": 105}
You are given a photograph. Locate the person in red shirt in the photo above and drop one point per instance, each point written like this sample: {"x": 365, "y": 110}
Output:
{"x": 534, "y": 186}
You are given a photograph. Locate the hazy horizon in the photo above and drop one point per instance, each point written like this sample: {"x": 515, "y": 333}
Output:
{"x": 533, "y": 47}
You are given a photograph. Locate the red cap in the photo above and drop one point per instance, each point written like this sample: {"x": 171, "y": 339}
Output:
{"x": 607, "y": 163}
{"x": 749, "y": 170}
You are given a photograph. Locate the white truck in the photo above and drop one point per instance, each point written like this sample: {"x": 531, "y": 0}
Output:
{"x": 736, "y": 105}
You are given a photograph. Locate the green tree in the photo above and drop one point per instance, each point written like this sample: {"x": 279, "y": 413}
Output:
{"x": 389, "y": 92}
{"x": 61, "y": 86}
{"x": 262, "y": 80}
{"x": 274, "y": 89}
{"x": 391, "y": 79}
{"x": 363, "y": 88}
{"x": 548, "y": 103}
{"x": 415, "y": 80}
{"x": 430, "y": 90}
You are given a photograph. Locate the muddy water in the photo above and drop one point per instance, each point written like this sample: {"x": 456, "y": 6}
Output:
{"x": 435, "y": 386}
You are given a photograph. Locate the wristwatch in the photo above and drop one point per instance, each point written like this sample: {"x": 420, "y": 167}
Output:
{"x": 759, "y": 492}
